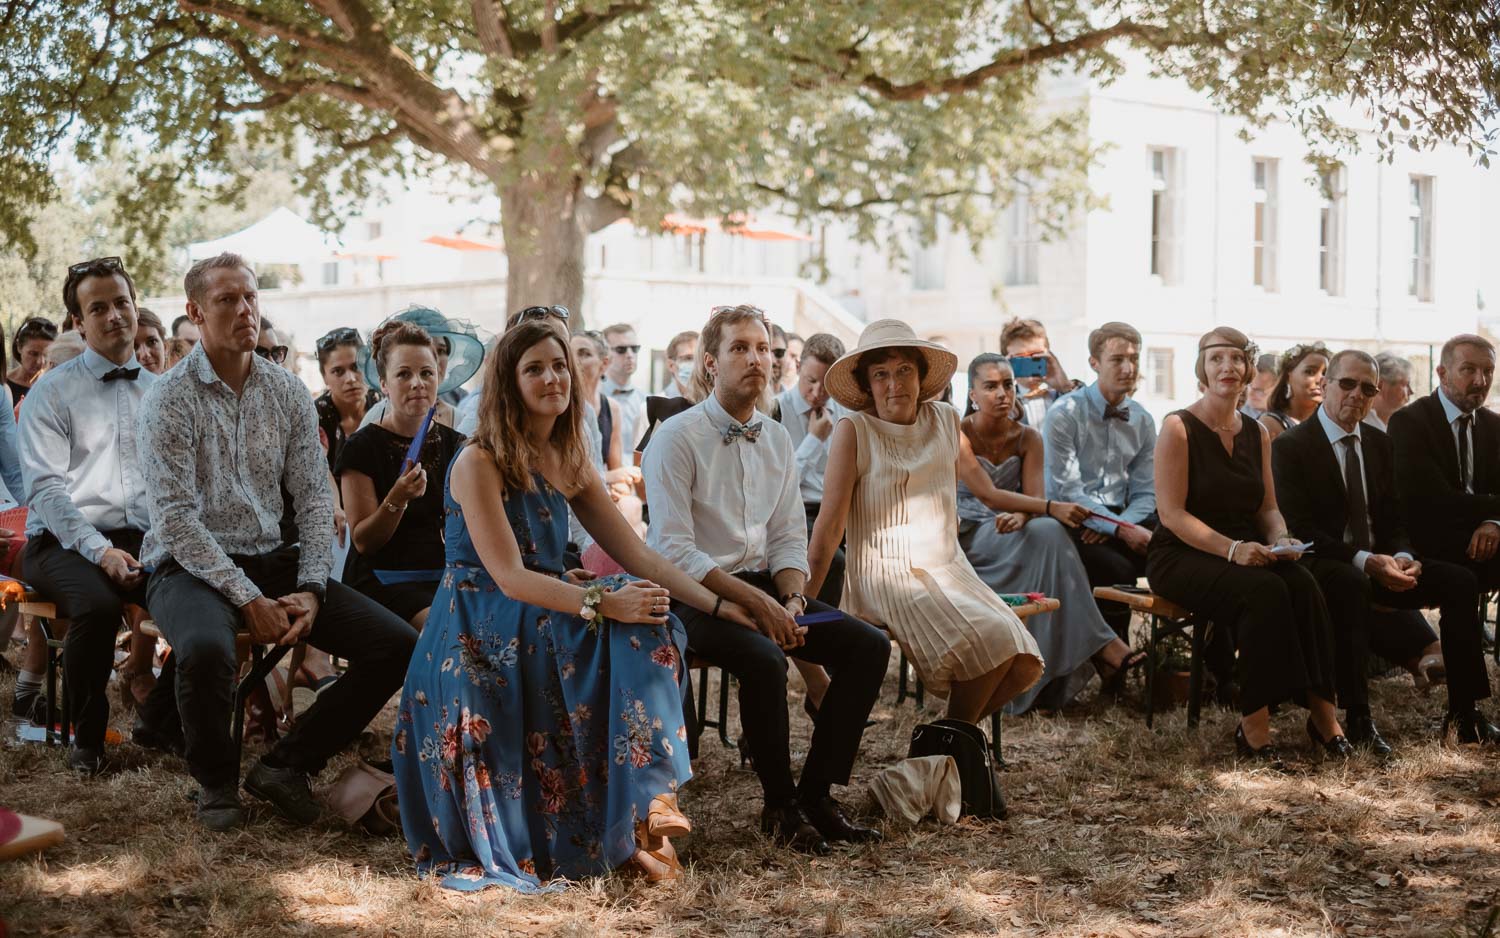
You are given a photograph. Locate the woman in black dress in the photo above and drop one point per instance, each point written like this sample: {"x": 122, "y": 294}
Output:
{"x": 395, "y": 508}
{"x": 1218, "y": 513}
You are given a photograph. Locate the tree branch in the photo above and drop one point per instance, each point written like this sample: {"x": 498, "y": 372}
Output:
{"x": 549, "y": 27}
{"x": 1046, "y": 26}
{"x": 268, "y": 28}
{"x": 576, "y": 28}
{"x": 835, "y": 208}
{"x": 492, "y": 28}
{"x": 336, "y": 12}
{"x": 1009, "y": 61}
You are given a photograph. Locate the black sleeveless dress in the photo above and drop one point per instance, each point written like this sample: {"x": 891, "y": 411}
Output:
{"x": 1276, "y": 614}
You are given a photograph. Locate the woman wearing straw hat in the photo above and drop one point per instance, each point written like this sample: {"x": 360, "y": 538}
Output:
{"x": 893, "y": 468}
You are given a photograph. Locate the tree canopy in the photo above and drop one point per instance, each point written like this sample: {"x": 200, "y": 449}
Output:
{"x": 584, "y": 112}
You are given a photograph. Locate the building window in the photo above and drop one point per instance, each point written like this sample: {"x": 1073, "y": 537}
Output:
{"x": 1264, "y": 233}
{"x": 372, "y": 230}
{"x": 928, "y": 260}
{"x": 331, "y": 274}
{"x": 1419, "y": 215}
{"x": 1331, "y": 231}
{"x": 1159, "y": 370}
{"x": 1165, "y": 184}
{"x": 1021, "y": 243}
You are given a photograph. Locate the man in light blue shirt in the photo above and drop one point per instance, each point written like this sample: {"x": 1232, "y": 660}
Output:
{"x": 1101, "y": 448}
{"x": 809, "y": 416}
{"x": 87, "y": 499}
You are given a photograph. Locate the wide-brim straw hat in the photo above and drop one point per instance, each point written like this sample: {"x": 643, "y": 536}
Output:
{"x": 889, "y": 333}
{"x": 465, "y": 348}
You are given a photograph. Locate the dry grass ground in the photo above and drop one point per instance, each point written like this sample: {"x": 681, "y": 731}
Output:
{"x": 1114, "y": 830}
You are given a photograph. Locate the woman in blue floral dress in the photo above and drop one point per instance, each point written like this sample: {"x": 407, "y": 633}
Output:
{"x": 541, "y": 735}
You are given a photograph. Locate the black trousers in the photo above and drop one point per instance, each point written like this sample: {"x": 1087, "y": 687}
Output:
{"x": 1276, "y": 615}
{"x": 855, "y": 655}
{"x": 201, "y": 624}
{"x": 832, "y": 592}
{"x": 93, "y": 604}
{"x": 1350, "y": 593}
{"x": 1111, "y": 564}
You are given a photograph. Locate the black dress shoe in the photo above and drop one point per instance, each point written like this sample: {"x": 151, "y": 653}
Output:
{"x": 147, "y": 736}
{"x": 1471, "y": 728}
{"x": 1362, "y": 733}
{"x": 789, "y": 827}
{"x": 219, "y": 807}
{"x": 828, "y": 817}
{"x": 1268, "y": 753}
{"x": 85, "y": 761}
{"x": 286, "y": 789}
{"x": 1338, "y": 747}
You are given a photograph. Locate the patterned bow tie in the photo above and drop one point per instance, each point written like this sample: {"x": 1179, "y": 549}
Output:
{"x": 1116, "y": 413}
{"x": 750, "y": 432}
{"x": 115, "y": 374}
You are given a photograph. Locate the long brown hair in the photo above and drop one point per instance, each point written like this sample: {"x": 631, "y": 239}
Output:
{"x": 502, "y": 410}
{"x": 1281, "y": 394}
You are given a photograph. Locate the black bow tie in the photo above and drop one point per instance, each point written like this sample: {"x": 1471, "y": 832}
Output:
{"x": 1112, "y": 412}
{"x": 114, "y": 374}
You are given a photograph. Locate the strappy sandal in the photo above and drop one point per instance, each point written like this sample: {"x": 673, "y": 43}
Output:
{"x": 1114, "y": 682}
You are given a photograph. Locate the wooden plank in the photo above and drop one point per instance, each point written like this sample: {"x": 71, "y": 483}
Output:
{"x": 1149, "y": 603}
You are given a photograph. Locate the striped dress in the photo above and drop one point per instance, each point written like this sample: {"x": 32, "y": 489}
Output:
{"x": 904, "y": 568}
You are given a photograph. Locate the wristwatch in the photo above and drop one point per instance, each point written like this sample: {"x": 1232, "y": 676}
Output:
{"x": 791, "y": 596}
{"x": 317, "y": 589}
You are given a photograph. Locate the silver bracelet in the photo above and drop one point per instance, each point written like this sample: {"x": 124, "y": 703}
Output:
{"x": 1232, "y": 548}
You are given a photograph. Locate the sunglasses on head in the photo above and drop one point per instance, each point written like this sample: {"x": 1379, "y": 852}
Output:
{"x": 35, "y": 328}
{"x": 98, "y": 267}
{"x": 276, "y": 354}
{"x": 1366, "y": 388}
{"x": 542, "y": 312}
{"x": 343, "y": 335}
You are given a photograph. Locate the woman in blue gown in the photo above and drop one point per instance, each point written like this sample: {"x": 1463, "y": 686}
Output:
{"x": 541, "y": 736}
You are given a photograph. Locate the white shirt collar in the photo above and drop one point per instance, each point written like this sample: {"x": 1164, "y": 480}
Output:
{"x": 1450, "y": 409}
{"x": 1333, "y": 430}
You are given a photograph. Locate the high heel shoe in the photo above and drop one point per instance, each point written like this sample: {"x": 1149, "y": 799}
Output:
{"x": 665, "y": 819}
{"x": 1338, "y": 747}
{"x": 1268, "y": 753}
{"x": 655, "y": 858}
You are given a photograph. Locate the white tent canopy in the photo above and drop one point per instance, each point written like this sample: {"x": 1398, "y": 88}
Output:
{"x": 282, "y": 237}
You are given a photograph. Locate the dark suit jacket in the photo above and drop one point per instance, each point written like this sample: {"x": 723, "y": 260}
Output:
{"x": 1440, "y": 515}
{"x": 1310, "y": 490}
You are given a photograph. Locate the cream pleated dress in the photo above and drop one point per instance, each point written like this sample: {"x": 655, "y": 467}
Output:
{"x": 904, "y": 569}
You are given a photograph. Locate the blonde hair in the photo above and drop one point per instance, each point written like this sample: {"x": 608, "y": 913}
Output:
{"x": 502, "y": 411}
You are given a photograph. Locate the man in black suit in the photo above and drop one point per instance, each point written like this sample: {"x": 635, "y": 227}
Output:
{"x": 1336, "y": 486}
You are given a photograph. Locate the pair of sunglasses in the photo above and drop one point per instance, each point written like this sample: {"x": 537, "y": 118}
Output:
{"x": 276, "y": 354}
{"x": 542, "y": 312}
{"x": 343, "y": 335}
{"x": 1366, "y": 388}
{"x": 622, "y": 349}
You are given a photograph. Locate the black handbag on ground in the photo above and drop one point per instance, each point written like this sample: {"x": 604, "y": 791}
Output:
{"x": 966, "y": 743}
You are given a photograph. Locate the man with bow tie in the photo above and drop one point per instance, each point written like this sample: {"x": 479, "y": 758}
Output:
{"x": 87, "y": 500}
{"x": 1101, "y": 453}
{"x": 722, "y": 482}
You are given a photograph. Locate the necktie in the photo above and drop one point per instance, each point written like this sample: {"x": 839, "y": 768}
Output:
{"x": 115, "y": 374}
{"x": 750, "y": 432}
{"x": 1112, "y": 412}
{"x": 1465, "y": 479}
{"x": 1354, "y": 491}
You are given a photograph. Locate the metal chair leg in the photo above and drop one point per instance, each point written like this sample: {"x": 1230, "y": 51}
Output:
{"x": 995, "y": 739}
{"x": 901, "y": 694}
{"x": 724, "y": 708}
{"x": 1151, "y": 662}
{"x": 1195, "y": 673}
{"x": 262, "y": 663}
{"x": 56, "y": 710}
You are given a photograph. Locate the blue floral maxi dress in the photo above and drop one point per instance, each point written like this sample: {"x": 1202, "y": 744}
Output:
{"x": 528, "y": 742}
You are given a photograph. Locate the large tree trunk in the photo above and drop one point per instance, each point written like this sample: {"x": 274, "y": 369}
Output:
{"x": 545, "y": 236}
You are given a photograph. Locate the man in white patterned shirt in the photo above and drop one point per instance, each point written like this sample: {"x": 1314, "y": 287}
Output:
{"x": 221, "y": 436}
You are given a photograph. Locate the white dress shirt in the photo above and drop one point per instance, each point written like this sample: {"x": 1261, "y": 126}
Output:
{"x": 1373, "y": 419}
{"x": 811, "y": 452}
{"x": 79, "y": 456}
{"x": 1336, "y": 436}
{"x": 731, "y": 505}
{"x": 632, "y": 401}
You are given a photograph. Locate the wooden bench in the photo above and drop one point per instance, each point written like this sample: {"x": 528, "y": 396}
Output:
{"x": 1165, "y": 618}
{"x": 1023, "y": 612}
{"x": 32, "y": 604}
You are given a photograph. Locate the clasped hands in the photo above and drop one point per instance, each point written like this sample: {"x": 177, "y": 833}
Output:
{"x": 284, "y": 621}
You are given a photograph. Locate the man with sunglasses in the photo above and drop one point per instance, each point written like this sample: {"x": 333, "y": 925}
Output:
{"x": 1336, "y": 485}
{"x": 88, "y": 502}
{"x": 624, "y": 355}
{"x": 223, "y": 436}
